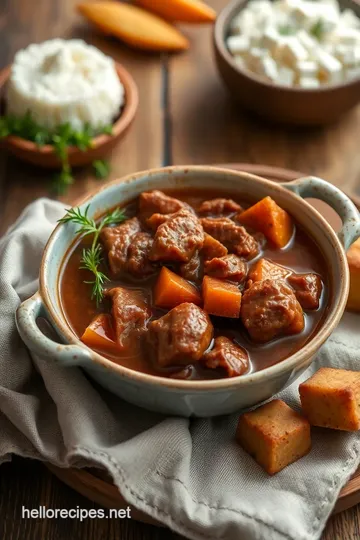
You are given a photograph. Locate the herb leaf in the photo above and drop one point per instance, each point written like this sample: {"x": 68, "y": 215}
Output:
{"x": 286, "y": 30}
{"x": 318, "y": 29}
{"x": 107, "y": 129}
{"x": 61, "y": 138}
{"x": 92, "y": 257}
{"x": 62, "y": 180}
{"x": 91, "y": 260}
{"x": 101, "y": 168}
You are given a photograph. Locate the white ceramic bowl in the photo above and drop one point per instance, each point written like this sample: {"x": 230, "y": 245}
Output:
{"x": 182, "y": 397}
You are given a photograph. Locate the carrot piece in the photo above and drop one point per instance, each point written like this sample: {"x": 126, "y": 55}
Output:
{"x": 212, "y": 248}
{"x": 99, "y": 335}
{"x": 221, "y": 297}
{"x": 264, "y": 269}
{"x": 134, "y": 25}
{"x": 267, "y": 217}
{"x": 172, "y": 290}
{"x": 189, "y": 11}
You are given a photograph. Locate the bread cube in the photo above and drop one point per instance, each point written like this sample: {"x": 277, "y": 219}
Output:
{"x": 331, "y": 398}
{"x": 274, "y": 435}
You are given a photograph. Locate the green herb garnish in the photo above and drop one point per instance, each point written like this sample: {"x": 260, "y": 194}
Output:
{"x": 101, "y": 168}
{"x": 318, "y": 29}
{"x": 61, "y": 139}
{"x": 286, "y": 30}
{"x": 91, "y": 258}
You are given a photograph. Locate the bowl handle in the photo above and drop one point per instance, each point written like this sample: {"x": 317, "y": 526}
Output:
{"x": 320, "y": 189}
{"x": 26, "y": 316}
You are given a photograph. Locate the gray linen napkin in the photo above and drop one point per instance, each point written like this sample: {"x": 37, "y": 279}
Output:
{"x": 188, "y": 474}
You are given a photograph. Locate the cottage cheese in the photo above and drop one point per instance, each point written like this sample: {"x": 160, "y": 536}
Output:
{"x": 61, "y": 81}
{"x": 305, "y": 43}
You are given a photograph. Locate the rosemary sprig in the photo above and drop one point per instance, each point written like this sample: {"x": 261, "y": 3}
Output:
{"x": 60, "y": 138}
{"x": 91, "y": 258}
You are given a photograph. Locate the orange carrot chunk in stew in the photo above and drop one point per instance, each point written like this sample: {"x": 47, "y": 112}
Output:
{"x": 267, "y": 217}
{"x": 265, "y": 269}
{"x": 172, "y": 290}
{"x": 100, "y": 335}
{"x": 221, "y": 298}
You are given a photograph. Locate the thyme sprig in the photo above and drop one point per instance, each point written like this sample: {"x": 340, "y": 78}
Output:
{"x": 92, "y": 258}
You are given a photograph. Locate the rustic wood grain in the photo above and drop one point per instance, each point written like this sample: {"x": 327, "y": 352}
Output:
{"x": 185, "y": 116}
{"x": 208, "y": 127}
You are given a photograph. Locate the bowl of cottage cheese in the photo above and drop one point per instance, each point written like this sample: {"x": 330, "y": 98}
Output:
{"x": 67, "y": 84}
{"x": 293, "y": 61}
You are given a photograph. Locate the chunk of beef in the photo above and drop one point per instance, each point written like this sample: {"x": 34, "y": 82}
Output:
{"x": 156, "y": 202}
{"x": 212, "y": 248}
{"x": 270, "y": 309}
{"x": 138, "y": 264}
{"x": 219, "y": 207}
{"x": 308, "y": 288}
{"x": 155, "y": 220}
{"x": 229, "y": 267}
{"x": 227, "y": 356}
{"x": 117, "y": 241}
{"x": 181, "y": 336}
{"x": 178, "y": 238}
{"x": 130, "y": 314}
{"x": 193, "y": 269}
{"x": 234, "y": 237}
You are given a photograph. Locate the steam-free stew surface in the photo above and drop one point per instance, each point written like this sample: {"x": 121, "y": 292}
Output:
{"x": 301, "y": 255}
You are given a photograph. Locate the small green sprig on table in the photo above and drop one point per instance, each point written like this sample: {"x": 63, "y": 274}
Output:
{"x": 91, "y": 258}
{"x": 60, "y": 139}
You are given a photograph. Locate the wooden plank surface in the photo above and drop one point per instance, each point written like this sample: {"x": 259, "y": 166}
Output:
{"x": 185, "y": 116}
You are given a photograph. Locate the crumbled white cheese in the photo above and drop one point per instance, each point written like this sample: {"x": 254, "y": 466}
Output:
{"x": 268, "y": 67}
{"x": 286, "y": 76}
{"x": 307, "y": 43}
{"x": 307, "y": 68}
{"x": 348, "y": 19}
{"x": 330, "y": 68}
{"x": 61, "y": 81}
{"x": 309, "y": 82}
{"x": 292, "y": 52}
{"x": 238, "y": 44}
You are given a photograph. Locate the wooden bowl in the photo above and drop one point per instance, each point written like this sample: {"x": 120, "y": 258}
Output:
{"x": 45, "y": 156}
{"x": 283, "y": 104}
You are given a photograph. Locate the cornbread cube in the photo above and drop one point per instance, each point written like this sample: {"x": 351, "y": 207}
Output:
{"x": 275, "y": 435}
{"x": 331, "y": 398}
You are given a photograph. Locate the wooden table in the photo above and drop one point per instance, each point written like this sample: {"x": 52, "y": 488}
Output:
{"x": 185, "y": 117}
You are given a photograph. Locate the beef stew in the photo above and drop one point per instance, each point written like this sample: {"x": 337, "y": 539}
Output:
{"x": 202, "y": 285}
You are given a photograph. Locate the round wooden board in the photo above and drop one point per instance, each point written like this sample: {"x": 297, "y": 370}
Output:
{"x": 97, "y": 486}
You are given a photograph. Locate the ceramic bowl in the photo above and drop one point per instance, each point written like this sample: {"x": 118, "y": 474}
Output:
{"x": 280, "y": 103}
{"x": 45, "y": 156}
{"x": 182, "y": 397}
